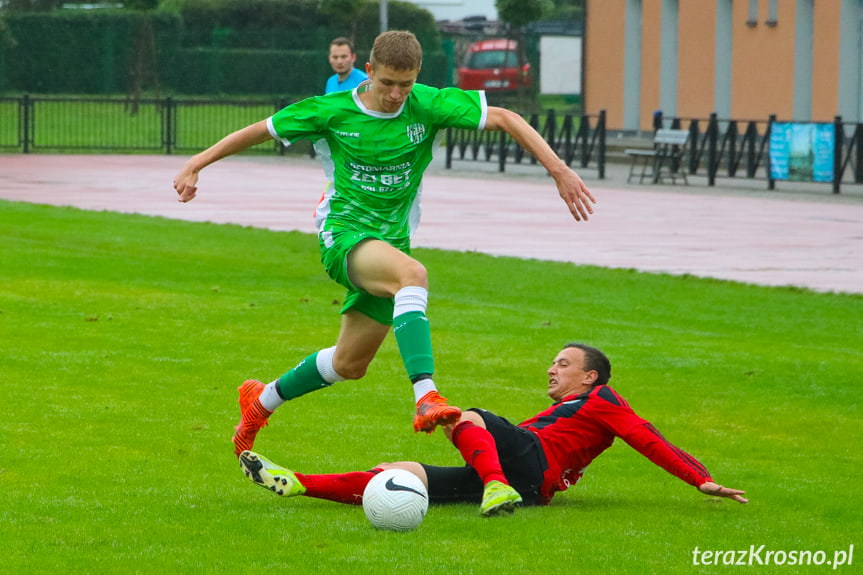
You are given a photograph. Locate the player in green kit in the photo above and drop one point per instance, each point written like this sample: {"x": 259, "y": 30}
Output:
{"x": 380, "y": 136}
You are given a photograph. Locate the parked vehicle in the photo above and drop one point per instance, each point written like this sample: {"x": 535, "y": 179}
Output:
{"x": 492, "y": 65}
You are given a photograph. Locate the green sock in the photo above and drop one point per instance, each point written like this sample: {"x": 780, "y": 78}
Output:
{"x": 414, "y": 339}
{"x": 302, "y": 379}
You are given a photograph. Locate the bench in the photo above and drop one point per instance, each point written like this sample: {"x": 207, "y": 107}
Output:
{"x": 665, "y": 158}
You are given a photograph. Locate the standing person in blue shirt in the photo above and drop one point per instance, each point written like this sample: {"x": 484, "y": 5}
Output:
{"x": 342, "y": 58}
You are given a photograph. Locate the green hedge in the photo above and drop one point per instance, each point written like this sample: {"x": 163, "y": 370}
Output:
{"x": 272, "y": 47}
{"x": 279, "y": 72}
{"x": 80, "y": 52}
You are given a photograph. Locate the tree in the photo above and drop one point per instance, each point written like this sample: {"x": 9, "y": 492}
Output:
{"x": 517, "y": 14}
{"x": 343, "y": 15}
{"x": 566, "y": 10}
{"x": 144, "y": 65}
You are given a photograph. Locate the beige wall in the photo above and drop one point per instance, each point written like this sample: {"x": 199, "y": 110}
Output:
{"x": 763, "y": 64}
{"x": 695, "y": 84}
{"x": 650, "y": 61}
{"x": 762, "y": 80}
{"x": 603, "y": 54}
{"x": 825, "y": 70}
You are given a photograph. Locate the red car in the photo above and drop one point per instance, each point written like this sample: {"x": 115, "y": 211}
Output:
{"x": 492, "y": 65}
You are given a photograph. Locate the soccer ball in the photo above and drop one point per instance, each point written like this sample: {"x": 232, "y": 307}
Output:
{"x": 396, "y": 500}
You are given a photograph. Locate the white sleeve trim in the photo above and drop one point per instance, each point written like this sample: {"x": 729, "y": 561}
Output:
{"x": 483, "y": 110}
{"x": 272, "y": 129}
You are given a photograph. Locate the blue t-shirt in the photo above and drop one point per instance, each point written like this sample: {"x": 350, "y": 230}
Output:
{"x": 354, "y": 79}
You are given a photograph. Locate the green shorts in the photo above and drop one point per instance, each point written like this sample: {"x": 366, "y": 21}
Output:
{"x": 335, "y": 246}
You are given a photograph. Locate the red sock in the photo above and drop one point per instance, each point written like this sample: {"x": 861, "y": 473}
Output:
{"x": 479, "y": 450}
{"x": 339, "y": 487}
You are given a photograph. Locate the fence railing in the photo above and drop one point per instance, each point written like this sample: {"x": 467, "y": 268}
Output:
{"x": 718, "y": 148}
{"x": 115, "y": 124}
{"x": 721, "y": 148}
{"x": 576, "y": 139}
{"x": 32, "y": 124}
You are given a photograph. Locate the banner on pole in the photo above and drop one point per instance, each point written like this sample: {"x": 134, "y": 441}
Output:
{"x": 802, "y": 152}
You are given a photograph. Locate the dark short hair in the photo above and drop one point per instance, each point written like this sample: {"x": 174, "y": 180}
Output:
{"x": 594, "y": 360}
{"x": 342, "y": 41}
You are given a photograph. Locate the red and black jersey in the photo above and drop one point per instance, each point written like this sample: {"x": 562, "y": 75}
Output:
{"x": 576, "y": 429}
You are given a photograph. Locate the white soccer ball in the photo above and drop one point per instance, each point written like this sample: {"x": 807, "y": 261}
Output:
{"x": 396, "y": 500}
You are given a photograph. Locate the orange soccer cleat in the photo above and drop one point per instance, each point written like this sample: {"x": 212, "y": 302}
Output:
{"x": 253, "y": 416}
{"x": 432, "y": 410}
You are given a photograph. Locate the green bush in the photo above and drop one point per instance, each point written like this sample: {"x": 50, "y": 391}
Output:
{"x": 81, "y": 51}
{"x": 271, "y": 47}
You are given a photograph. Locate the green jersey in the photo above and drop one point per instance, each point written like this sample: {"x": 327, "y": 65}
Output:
{"x": 375, "y": 161}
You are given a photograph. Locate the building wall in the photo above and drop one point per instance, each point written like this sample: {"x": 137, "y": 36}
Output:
{"x": 604, "y": 60}
{"x": 696, "y": 82}
{"x": 763, "y": 61}
{"x": 825, "y": 72}
{"x": 651, "y": 60}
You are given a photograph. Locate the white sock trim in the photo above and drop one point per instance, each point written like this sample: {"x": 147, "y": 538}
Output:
{"x": 324, "y": 362}
{"x": 270, "y": 398}
{"x": 410, "y": 298}
{"x": 422, "y": 387}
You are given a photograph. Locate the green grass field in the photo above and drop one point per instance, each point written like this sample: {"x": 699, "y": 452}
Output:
{"x": 124, "y": 339}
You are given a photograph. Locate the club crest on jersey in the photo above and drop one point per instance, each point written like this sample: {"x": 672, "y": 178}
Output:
{"x": 416, "y": 133}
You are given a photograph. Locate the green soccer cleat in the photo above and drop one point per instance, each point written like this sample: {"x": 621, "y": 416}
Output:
{"x": 497, "y": 497}
{"x": 267, "y": 474}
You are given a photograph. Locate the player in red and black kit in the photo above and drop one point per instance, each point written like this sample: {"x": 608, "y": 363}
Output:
{"x": 528, "y": 463}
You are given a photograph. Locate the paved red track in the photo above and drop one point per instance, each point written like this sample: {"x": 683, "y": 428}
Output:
{"x": 805, "y": 236}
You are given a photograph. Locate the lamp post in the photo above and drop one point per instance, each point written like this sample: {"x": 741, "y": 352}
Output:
{"x": 383, "y": 16}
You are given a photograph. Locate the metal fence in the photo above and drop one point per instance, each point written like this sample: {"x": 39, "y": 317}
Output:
{"x": 576, "y": 139}
{"x": 32, "y": 124}
{"x": 729, "y": 148}
{"x": 718, "y": 148}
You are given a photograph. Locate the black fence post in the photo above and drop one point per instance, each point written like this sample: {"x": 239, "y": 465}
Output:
{"x": 551, "y": 129}
{"x": 600, "y": 162}
{"x": 501, "y": 153}
{"x": 839, "y": 140}
{"x": 712, "y": 157}
{"x": 731, "y": 137}
{"x": 169, "y": 124}
{"x": 771, "y": 183}
{"x": 449, "y": 148}
{"x": 568, "y": 148}
{"x": 584, "y": 133}
{"x": 749, "y": 141}
{"x": 24, "y": 111}
{"x": 675, "y": 158}
{"x": 858, "y": 142}
{"x": 694, "y": 133}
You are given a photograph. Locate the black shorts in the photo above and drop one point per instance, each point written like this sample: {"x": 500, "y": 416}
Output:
{"x": 521, "y": 458}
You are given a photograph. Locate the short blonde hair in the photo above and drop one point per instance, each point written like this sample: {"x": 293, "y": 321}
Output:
{"x": 397, "y": 49}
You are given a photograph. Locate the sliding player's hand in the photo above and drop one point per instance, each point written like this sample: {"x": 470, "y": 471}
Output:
{"x": 710, "y": 488}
